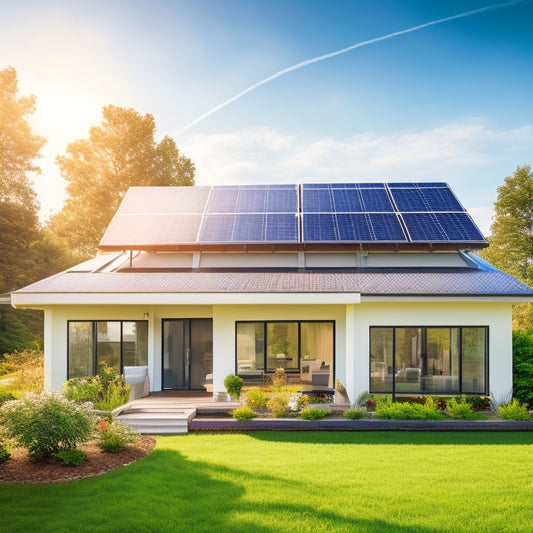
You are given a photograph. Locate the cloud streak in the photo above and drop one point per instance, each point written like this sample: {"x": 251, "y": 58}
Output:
{"x": 323, "y": 57}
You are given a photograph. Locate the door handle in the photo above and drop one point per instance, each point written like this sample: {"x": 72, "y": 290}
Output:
{"x": 188, "y": 356}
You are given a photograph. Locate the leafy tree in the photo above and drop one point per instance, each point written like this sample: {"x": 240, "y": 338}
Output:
{"x": 18, "y": 205}
{"x": 511, "y": 243}
{"x": 523, "y": 366}
{"x": 121, "y": 152}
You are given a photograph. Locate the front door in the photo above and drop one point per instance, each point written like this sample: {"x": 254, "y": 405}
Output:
{"x": 187, "y": 353}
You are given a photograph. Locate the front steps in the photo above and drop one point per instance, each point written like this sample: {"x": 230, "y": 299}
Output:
{"x": 157, "y": 418}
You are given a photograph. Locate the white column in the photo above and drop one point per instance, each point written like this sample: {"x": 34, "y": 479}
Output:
{"x": 350, "y": 352}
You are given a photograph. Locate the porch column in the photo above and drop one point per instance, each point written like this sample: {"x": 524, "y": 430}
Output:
{"x": 350, "y": 352}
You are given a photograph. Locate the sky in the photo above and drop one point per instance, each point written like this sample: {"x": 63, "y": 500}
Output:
{"x": 449, "y": 101}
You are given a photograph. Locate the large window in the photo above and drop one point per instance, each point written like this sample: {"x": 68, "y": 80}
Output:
{"x": 116, "y": 342}
{"x": 305, "y": 350}
{"x": 428, "y": 360}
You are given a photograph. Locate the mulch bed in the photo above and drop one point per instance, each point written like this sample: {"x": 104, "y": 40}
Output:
{"x": 19, "y": 468}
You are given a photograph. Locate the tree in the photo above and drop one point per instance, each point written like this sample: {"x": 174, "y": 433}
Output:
{"x": 511, "y": 244}
{"x": 121, "y": 152}
{"x": 19, "y": 223}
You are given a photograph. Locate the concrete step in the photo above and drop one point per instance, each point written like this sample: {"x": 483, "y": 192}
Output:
{"x": 158, "y": 421}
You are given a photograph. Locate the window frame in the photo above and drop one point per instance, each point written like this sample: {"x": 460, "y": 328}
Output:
{"x": 265, "y": 350}
{"x": 95, "y": 340}
{"x": 424, "y": 335}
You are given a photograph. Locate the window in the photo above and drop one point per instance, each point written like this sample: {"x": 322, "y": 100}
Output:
{"x": 428, "y": 360}
{"x": 305, "y": 350}
{"x": 115, "y": 342}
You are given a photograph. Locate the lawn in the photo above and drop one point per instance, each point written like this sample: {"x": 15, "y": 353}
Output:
{"x": 296, "y": 481}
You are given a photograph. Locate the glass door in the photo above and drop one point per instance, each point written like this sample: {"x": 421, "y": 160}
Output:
{"x": 187, "y": 353}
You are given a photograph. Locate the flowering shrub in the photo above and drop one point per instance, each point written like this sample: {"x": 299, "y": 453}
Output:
{"x": 47, "y": 423}
{"x": 370, "y": 405}
{"x": 115, "y": 436}
{"x": 390, "y": 410}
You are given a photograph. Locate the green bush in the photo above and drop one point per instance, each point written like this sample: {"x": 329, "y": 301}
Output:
{"x": 256, "y": 399}
{"x": 479, "y": 403}
{"x": 523, "y": 366}
{"x": 6, "y": 396}
{"x": 462, "y": 410}
{"x": 353, "y": 414}
{"x": 47, "y": 423}
{"x": 313, "y": 413}
{"x": 242, "y": 414}
{"x": 233, "y": 386}
{"x": 107, "y": 390}
{"x": 514, "y": 410}
{"x": 70, "y": 457}
{"x": 115, "y": 436}
{"x": 278, "y": 405}
{"x": 4, "y": 453}
{"x": 389, "y": 410}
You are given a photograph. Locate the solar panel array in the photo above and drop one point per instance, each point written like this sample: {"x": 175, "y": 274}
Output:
{"x": 309, "y": 213}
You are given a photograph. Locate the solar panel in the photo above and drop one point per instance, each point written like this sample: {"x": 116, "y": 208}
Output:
{"x": 436, "y": 227}
{"x": 425, "y": 199}
{"x": 334, "y": 212}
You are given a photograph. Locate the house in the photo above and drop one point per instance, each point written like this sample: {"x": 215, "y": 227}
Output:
{"x": 376, "y": 285}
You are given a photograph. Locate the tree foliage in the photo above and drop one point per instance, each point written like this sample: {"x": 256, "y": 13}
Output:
{"x": 511, "y": 244}
{"x": 121, "y": 152}
{"x": 18, "y": 205}
{"x": 523, "y": 366}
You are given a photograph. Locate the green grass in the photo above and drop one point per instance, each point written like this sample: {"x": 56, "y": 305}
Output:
{"x": 296, "y": 482}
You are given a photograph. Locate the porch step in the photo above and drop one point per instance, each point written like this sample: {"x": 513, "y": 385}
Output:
{"x": 158, "y": 420}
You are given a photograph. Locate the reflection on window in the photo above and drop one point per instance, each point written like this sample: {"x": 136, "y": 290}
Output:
{"x": 428, "y": 360}
{"x": 305, "y": 350}
{"x": 117, "y": 343}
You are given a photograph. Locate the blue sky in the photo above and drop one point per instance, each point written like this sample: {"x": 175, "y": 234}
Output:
{"x": 450, "y": 102}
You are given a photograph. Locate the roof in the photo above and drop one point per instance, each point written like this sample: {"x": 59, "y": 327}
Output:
{"x": 456, "y": 282}
{"x": 307, "y": 216}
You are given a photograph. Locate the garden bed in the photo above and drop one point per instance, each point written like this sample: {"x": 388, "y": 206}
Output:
{"x": 19, "y": 468}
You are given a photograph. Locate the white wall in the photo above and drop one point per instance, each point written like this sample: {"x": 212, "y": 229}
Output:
{"x": 352, "y": 323}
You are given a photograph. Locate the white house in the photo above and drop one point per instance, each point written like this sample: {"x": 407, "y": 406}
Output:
{"x": 376, "y": 285}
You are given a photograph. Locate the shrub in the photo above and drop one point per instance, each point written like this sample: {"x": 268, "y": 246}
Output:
{"x": 462, "y": 410}
{"x": 317, "y": 397}
{"x": 479, "y": 403}
{"x": 362, "y": 399}
{"x": 523, "y": 366}
{"x": 84, "y": 389}
{"x": 70, "y": 457}
{"x": 115, "y": 394}
{"x": 279, "y": 379}
{"x": 115, "y": 436}
{"x": 256, "y": 399}
{"x": 47, "y": 423}
{"x": 242, "y": 414}
{"x": 389, "y": 410}
{"x": 4, "y": 453}
{"x": 370, "y": 405}
{"x": 6, "y": 396}
{"x": 313, "y": 413}
{"x": 27, "y": 368}
{"x": 353, "y": 414}
{"x": 278, "y": 405}
{"x": 514, "y": 410}
{"x": 233, "y": 386}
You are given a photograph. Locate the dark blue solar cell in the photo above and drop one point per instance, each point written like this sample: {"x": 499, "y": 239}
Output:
{"x": 315, "y": 186}
{"x": 342, "y": 186}
{"x": 223, "y": 200}
{"x": 320, "y": 227}
{"x": 317, "y": 201}
{"x": 281, "y": 227}
{"x": 409, "y": 200}
{"x": 347, "y": 201}
{"x": 433, "y": 227}
{"x": 217, "y": 228}
{"x": 420, "y": 185}
{"x": 441, "y": 199}
{"x": 282, "y": 201}
{"x": 354, "y": 227}
{"x": 386, "y": 227}
{"x": 376, "y": 200}
{"x": 251, "y": 200}
{"x": 249, "y": 228}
